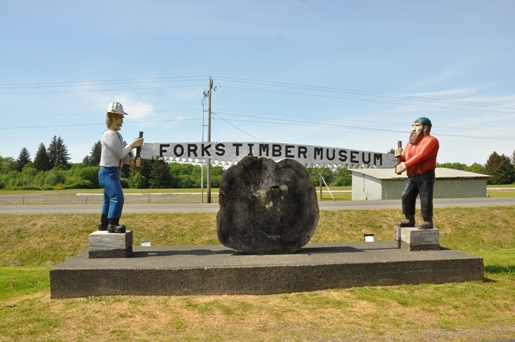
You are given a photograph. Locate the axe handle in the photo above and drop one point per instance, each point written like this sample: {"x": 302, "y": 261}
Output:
{"x": 138, "y": 149}
{"x": 399, "y": 145}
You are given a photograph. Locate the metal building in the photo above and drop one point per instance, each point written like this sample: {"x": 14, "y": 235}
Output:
{"x": 378, "y": 184}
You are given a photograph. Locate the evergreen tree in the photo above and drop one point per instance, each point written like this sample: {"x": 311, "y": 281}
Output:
{"x": 500, "y": 168}
{"x": 145, "y": 168}
{"x": 23, "y": 159}
{"x": 94, "y": 156}
{"x": 160, "y": 175}
{"x": 52, "y": 151}
{"x": 41, "y": 161}
{"x": 58, "y": 153}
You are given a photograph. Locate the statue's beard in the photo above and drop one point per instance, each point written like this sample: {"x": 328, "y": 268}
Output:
{"x": 415, "y": 137}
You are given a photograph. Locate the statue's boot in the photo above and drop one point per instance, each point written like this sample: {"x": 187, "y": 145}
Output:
{"x": 427, "y": 224}
{"x": 408, "y": 222}
{"x": 102, "y": 224}
{"x": 115, "y": 227}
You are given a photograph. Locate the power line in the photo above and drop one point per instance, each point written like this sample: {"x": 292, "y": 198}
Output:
{"x": 368, "y": 100}
{"x": 361, "y": 92}
{"x": 100, "y": 82}
{"x": 96, "y": 113}
{"x": 346, "y": 127}
{"x": 319, "y": 89}
{"x": 344, "y": 119}
{"x": 247, "y": 133}
{"x": 93, "y": 124}
{"x": 95, "y": 90}
{"x": 266, "y": 120}
{"x": 314, "y": 91}
{"x": 230, "y": 112}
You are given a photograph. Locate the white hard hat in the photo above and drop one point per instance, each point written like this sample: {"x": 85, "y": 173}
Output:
{"x": 116, "y": 108}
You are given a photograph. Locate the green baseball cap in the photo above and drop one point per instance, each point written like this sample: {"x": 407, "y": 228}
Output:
{"x": 424, "y": 121}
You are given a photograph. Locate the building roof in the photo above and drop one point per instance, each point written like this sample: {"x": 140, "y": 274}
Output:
{"x": 440, "y": 172}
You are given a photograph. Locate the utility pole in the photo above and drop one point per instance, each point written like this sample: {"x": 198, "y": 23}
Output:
{"x": 203, "y": 102}
{"x": 210, "y": 88}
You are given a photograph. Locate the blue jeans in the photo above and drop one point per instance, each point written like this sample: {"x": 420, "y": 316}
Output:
{"x": 109, "y": 179}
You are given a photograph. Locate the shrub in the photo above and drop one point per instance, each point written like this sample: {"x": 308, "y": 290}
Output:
{"x": 137, "y": 181}
{"x": 76, "y": 182}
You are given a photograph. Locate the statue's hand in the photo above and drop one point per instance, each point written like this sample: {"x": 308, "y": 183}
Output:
{"x": 400, "y": 168}
{"x": 136, "y": 142}
{"x": 398, "y": 152}
{"x": 135, "y": 161}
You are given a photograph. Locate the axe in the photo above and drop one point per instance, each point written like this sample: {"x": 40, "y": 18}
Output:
{"x": 138, "y": 149}
{"x": 399, "y": 145}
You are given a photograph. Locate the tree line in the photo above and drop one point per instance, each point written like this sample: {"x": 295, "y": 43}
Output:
{"x": 51, "y": 169}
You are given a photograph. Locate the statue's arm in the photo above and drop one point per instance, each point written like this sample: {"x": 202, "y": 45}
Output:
{"x": 429, "y": 148}
{"x": 114, "y": 143}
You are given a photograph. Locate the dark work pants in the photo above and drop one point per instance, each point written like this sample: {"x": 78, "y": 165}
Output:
{"x": 419, "y": 185}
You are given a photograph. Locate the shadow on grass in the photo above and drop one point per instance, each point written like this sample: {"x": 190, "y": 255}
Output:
{"x": 488, "y": 280}
{"x": 501, "y": 270}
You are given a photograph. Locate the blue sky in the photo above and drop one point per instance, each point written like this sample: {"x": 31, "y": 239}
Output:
{"x": 348, "y": 74}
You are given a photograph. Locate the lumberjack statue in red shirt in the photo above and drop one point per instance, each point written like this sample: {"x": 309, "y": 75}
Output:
{"x": 419, "y": 159}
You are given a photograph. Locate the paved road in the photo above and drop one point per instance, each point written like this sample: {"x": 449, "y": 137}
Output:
{"x": 213, "y": 207}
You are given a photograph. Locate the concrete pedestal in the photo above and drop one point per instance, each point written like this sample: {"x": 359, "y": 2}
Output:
{"x": 217, "y": 270}
{"x": 415, "y": 239}
{"x": 110, "y": 245}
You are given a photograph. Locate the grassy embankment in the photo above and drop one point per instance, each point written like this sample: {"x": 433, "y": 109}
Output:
{"x": 31, "y": 244}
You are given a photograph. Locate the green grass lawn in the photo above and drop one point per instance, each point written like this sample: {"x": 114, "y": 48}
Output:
{"x": 472, "y": 311}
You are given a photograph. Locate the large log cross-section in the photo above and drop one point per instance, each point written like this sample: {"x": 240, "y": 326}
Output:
{"x": 266, "y": 207}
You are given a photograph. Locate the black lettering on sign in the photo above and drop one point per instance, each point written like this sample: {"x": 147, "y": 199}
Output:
{"x": 162, "y": 150}
{"x": 319, "y": 152}
{"x": 263, "y": 148}
{"x": 303, "y": 151}
{"x": 287, "y": 151}
{"x": 378, "y": 158}
{"x": 237, "y": 149}
{"x": 343, "y": 156}
{"x": 192, "y": 149}
{"x": 330, "y": 157}
{"x": 365, "y": 160}
{"x": 276, "y": 150}
{"x": 220, "y": 150}
{"x": 353, "y": 156}
{"x": 178, "y": 150}
{"x": 205, "y": 150}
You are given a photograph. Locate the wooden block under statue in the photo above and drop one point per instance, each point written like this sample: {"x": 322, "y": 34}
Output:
{"x": 415, "y": 239}
{"x": 110, "y": 245}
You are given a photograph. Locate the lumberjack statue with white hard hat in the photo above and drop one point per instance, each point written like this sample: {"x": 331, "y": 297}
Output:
{"x": 114, "y": 155}
{"x": 419, "y": 159}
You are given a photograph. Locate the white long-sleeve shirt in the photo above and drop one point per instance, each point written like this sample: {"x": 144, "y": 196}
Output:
{"x": 114, "y": 154}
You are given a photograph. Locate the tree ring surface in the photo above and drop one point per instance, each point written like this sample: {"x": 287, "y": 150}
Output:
{"x": 266, "y": 207}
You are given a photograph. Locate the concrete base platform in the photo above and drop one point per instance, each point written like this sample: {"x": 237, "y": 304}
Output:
{"x": 217, "y": 270}
{"x": 415, "y": 239}
{"x": 110, "y": 245}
